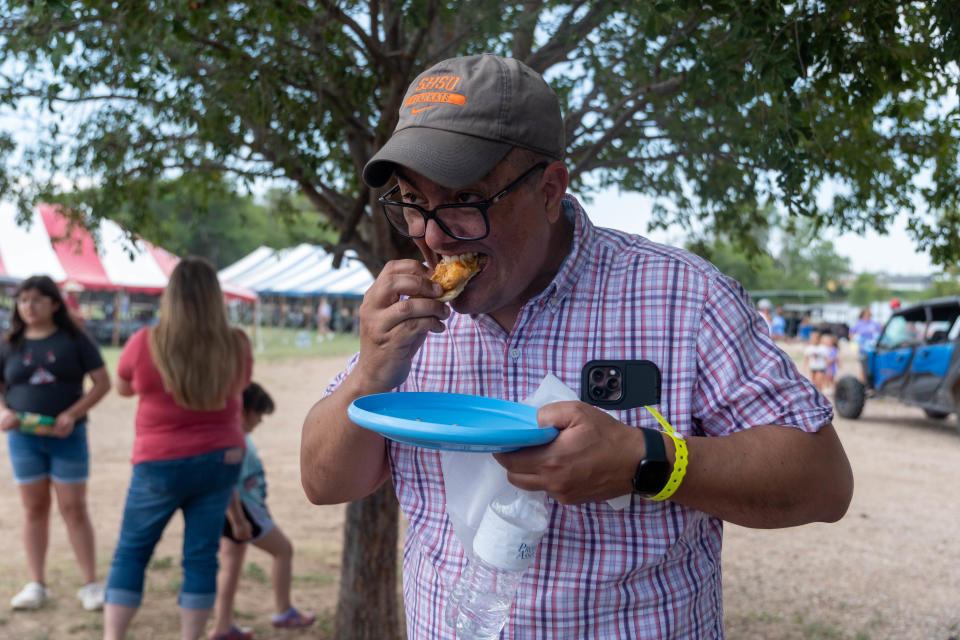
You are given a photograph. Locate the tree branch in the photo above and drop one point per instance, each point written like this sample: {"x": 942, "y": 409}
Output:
{"x": 203, "y": 166}
{"x": 620, "y": 123}
{"x": 371, "y": 45}
{"x": 40, "y": 94}
{"x": 524, "y": 34}
{"x": 569, "y": 35}
{"x": 416, "y": 41}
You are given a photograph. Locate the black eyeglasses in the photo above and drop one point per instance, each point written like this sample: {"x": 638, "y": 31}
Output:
{"x": 466, "y": 221}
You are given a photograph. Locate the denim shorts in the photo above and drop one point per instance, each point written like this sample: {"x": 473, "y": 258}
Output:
{"x": 65, "y": 460}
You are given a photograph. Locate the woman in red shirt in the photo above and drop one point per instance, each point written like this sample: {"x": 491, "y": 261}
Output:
{"x": 188, "y": 372}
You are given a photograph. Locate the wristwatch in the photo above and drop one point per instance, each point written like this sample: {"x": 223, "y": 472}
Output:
{"x": 653, "y": 471}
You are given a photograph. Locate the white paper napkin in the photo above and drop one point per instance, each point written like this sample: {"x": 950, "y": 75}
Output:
{"x": 471, "y": 480}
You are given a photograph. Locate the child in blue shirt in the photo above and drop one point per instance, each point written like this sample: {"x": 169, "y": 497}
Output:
{"x": 249, "y": 521}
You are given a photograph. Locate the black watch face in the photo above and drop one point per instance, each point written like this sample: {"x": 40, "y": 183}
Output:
{"x": 651, "y": 477}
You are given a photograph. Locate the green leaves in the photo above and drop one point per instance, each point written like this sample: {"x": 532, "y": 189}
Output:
{"x": 710, "y": 109}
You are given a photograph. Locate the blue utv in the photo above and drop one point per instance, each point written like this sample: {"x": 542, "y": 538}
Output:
{"x": 916, "y": 361}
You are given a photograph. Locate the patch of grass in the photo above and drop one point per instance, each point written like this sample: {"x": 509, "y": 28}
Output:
{"x": 313, "y": 578}
{"x": 110, "y": 357}
{"x": 876, "y": 621}
{"x": 325, "y": 621}
{"x": 161, "y": 563}
{"x": 277, "y": 344}
{"x": 256, "y": 573}
{"x": 96, "y": 625}
{"x": 173, "y": 585}
{"x": 764, "y": 617}
{"x": 818, "y": 630}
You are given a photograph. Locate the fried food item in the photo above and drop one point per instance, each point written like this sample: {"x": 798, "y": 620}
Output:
{"x": 453, "y": 273}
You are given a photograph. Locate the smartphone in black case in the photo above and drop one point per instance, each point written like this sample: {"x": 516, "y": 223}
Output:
{"x": 620, "y": 384}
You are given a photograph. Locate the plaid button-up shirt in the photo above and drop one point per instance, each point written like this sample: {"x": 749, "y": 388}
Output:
{"x": 651, "y": 570}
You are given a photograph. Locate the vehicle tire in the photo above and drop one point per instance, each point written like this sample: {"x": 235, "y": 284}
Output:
{"x": 936, "y": 415}
{"x": 849, "y": 396}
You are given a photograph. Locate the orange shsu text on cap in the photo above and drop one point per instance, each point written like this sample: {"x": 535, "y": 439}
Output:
{"x": 436, "y": 90}
{"x": 442, "y": 83}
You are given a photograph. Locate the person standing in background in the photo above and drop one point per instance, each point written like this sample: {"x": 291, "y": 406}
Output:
{"x": 43, "y": 360}
{"x": 865, "y": 330}
{"x": 764, "y": 307}
{"x": 188, "y": 371}
{"x": 832, "y": 351}
{"x": 815, "y": 359}
{"x": 324, "y": 315}
{"x": 778, "y": 325}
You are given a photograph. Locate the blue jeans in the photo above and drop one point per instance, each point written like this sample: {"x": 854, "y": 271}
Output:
{"x": 199, "y": 485}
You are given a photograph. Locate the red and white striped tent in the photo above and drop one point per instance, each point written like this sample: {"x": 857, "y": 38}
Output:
{"x": 69, "y": 255}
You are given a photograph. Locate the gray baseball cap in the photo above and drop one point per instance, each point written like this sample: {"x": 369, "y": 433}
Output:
{"x": 461, "y": 117}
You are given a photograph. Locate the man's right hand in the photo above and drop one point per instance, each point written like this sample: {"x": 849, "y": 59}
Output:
{"x": 398, "y": 311}
{"x": 340, "y": 461}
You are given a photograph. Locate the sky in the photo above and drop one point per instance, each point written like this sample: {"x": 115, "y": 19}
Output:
{"x": 870, "y": 253}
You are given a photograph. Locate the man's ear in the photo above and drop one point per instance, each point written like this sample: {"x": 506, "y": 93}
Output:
{"x": 553, "y": 187}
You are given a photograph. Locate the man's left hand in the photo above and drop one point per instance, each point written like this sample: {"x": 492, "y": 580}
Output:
{"x": 592, "y": 459}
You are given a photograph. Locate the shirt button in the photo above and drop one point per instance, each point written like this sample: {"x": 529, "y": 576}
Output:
{"x": 514, "y": 353}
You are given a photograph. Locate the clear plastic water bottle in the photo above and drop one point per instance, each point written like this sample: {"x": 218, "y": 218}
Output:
{"x": 452, "y": 608}
{"x": 504, "y": 546}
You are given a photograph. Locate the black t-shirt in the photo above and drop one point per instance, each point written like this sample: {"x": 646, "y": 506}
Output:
{"x": 46, "y": 376}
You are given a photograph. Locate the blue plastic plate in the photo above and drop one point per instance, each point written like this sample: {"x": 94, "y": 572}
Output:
{"x": 451, "y": 421}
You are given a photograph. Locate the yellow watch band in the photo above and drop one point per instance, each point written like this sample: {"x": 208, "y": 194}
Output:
{"x": 680, "y": 457}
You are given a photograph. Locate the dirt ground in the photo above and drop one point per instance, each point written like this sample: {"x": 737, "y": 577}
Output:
{"x": 889, "y": 570}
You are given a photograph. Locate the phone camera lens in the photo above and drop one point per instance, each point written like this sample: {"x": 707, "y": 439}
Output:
{"x": 613, "y": 384}
{"x": 599, "y": 393}
{"x": 597, "y": 375}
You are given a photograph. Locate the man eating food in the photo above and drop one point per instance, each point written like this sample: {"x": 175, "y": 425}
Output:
{"x": 481, "y": 189}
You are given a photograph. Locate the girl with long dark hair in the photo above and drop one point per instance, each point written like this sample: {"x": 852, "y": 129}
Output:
{"x": 44, "y": 359}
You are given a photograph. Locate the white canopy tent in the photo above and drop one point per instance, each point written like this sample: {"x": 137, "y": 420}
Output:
{"x": 50, "y": 245}
{"x": 302, "y": 271}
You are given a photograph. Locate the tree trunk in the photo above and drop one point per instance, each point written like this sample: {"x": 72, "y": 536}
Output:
{"x": 368, "y": 604}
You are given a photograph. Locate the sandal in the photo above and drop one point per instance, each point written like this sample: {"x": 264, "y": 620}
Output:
{"x": 292, "y": 619}
{"x": 233, "y": 633}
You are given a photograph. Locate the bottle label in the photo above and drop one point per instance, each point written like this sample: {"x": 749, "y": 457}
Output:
{"x": 503, "y": 544}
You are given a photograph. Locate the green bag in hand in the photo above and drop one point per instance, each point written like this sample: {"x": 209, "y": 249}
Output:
{"x": 35, "y": 423}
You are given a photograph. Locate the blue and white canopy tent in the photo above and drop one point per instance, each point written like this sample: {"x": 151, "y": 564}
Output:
{"x": 304, "y": 271}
